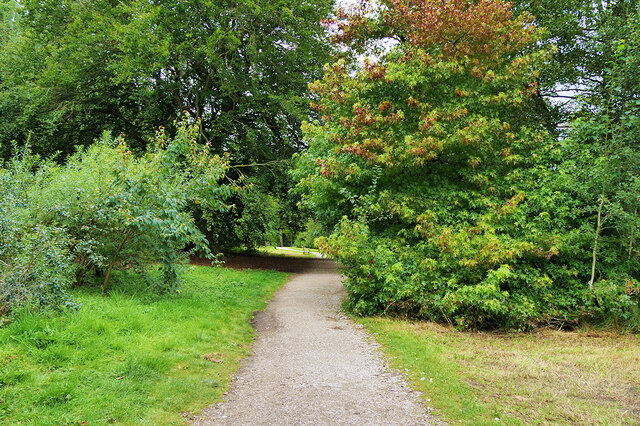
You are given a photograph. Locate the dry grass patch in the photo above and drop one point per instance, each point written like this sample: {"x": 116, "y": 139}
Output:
{"x": 554, "y": 376}
{"x": 540, "y": 378}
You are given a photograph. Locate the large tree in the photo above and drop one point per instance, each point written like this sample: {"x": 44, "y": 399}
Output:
{"x": 584, "y": 35}
{"x": 71, "y": 69}
{"x": 440, "y": 196}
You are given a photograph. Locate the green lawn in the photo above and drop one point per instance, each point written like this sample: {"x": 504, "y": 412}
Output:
{"x": 133, "y": 357}
{"x": 289, "y": 252}
{"x": 548, "y": 377}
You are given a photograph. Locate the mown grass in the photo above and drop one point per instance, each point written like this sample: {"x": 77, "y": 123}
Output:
{"x": 133, "y": 357}
{"x": 288, "y": 252}
{"x": 548, "y": 377}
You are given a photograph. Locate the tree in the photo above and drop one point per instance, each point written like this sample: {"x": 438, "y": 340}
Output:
{"x": 605, "y": 161}
{"x": 73, "y": 69}
{"x": 444, "y": 203}
{"x": 588, "y": 100}
{"x": 70, "y": 70}
{"x": 421, "y": 162}
{"x": 584, "y": 35}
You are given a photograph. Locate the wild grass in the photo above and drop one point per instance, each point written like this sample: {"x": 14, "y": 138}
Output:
{"x": 133, "y": 357}
{"x": 548, "y": 377}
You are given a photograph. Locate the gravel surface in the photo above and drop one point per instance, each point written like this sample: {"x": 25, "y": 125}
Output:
{"x": 312, "y": 365}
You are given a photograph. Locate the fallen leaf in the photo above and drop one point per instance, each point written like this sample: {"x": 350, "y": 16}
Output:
{"x": 214, "y": 357}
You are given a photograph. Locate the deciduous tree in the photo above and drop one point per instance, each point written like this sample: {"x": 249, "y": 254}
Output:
{"x": 438, "y": 193}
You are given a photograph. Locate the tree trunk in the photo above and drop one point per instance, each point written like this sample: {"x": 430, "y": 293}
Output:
{"x": 595, "y": 243}
{"x": 631, "y": 240}
{"x": 105, "y": 283}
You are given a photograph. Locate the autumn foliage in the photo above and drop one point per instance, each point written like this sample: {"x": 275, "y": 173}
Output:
{"x": 481, "y": 31}
{"x": 428, "y": 177}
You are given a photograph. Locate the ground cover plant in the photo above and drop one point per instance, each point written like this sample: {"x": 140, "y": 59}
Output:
{"x": 134, "y": 357}
{"x": 546, "y": 377}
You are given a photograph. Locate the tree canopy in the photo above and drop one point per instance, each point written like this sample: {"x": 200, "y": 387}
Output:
{"x": 444, "y": 195}
{"x": 70, "y": 70}
{"x": 73, "y": 69}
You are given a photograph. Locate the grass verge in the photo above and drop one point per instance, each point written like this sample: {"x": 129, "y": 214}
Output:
{"x": 544, "y": 378}
{"x": 132, "y": 358}
{"x": 288, "y": 252}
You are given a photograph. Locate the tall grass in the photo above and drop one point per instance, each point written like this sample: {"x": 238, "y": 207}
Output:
{"x": 133, "y": 357}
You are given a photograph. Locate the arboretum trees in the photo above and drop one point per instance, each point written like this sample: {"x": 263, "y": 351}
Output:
{"x": 452, "y": 179}
{"x": 585, "y": 36}
{"x": 70, "y": 70}
{"x": 234, "y": 73}
{"x": 73, "y": 69}
{"x": 446, "y": 199}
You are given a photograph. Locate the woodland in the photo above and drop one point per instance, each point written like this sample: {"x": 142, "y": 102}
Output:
{"x": 474, "y": 163}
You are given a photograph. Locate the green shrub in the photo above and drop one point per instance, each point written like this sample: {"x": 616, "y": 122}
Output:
{"x": 104, "y": 209}
{"x": 35, "y": 263}
{"x": 413, "y": 278}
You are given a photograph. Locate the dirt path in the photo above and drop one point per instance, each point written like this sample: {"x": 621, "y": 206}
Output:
{"x": 310, "y": 365}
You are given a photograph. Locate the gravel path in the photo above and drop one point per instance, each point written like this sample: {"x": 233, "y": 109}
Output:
{"x": 311, "y": 365}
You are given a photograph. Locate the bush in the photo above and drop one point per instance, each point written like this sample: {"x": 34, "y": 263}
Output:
{"x": 35, "y": 263}
{"x": 417, "y": 279}
{"x": 104, "y": 209}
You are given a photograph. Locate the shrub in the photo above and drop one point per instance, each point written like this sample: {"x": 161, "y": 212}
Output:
{"x": 35, "y": 263}
{"x": 104, "y": 209}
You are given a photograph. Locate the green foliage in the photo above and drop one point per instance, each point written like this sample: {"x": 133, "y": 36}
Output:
{"x": 35, "y": 262}
{"x": 71, "y": 70}
{"x": 248, "y": 224}
{"x": 443, "y": 202}
{"x": 308, "y": 236}
{"x": 107, "y": 209}
{"x": 584, "y": 36}
{"x": 604, "y": 165}
{"x": 151, "y": 197}
{"x": 260, "y": 214}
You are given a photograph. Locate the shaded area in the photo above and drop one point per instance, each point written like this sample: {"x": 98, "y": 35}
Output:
{"x": 275, "y": 263}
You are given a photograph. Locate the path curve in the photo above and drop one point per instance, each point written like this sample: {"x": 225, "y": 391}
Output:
{"x": 311, "y": 365}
